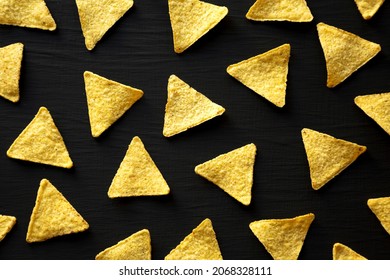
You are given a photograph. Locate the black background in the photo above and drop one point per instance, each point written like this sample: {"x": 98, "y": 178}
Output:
{"x": 138, "y": 51}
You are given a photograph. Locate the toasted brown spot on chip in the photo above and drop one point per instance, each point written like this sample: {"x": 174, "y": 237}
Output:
{"x": 41, "y": 142}
{"x": 327, "y": 155}
{"x": 53, "y": 215}
{"x": 200, "y": 244}
{"x": 10, "y": 64}
{"x": 135, "y": 247}
{"x": 191, "y": 19}
{"x": 283, "y": 238}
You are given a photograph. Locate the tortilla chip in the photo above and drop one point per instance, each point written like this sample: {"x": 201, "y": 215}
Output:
{"x": 232, "y": 172}
{"x": 283, "y": 238}
{"x": 137, "y": 175}
{"x": 377, "y": 107}
{"x": 10, "y": 64}
{"x": 265, "y": 74}
{"x": 280, "y": 10}
{"x": 26, "y": 13}
{"x": 97, "y": 17}
{"x": 344, "y": 52}
{"x": 342, "y": 252}
{"x": 135, "y": 247}
{"x": 328, "y": 156}
{"x": 191, "y": 19}
{"x": 368, "y": 8}
{"x": 381, "y": 208}
{"x": 41, "y": 142}
{"x": 186, "y": 108}
{"x": 6, "y": 224}
{"x": 107, "y": 101}
{"x": 200, "y": 244}
{"x": 53, "y": 215}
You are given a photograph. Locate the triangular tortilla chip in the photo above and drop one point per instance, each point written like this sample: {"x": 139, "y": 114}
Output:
{"x": 200, "y": 244}
{"x": 381, "y": 208}
{"x": 191, "y": 19}
{"x": 344, "y": 52}
{"x": 41, "y": 142}
{"x": 107, "y": 101}
{"x": 232, "y": 172}
{"x": 137, "y": 175}
{"x": 280, "y": 10}
{"x": 342, "y": 252}
{"x": 97, "y": 17}
{"x": 265, "y": 74}
{"x": 328, "y": 156}
{"x": 6, "y": 224}
{"x": 53, "y": 215}
{"x": 283, "y": 238}
{"x": 186, "y": 108}
{"x": 377, "y": 107}
{"x": 26, "y": 13}
{"x": 10, "y": 64}
{"x": 368, "y": 8}
{"x": 135, "y": 247}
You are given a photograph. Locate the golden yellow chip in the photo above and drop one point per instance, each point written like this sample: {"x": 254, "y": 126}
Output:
{"x": 283, "y": 238}
{"x": 368, "y": 8}
{"x": 97, "y": 17}
{"x": 377, "y": 107}
{"x": 107, "y": 101}
{"x": 265, "y": 74}
{"x": 26, "y": 13}
{"x": 53, "y": 215}
{"x": 200, "y": 244}
{"x": 41, "y": 142}
{"x": 191, "y": 19}
{"x": 186, "y": 108}
{"x": 232, "y": 172}
{"x": 328, "y": 156}
{"x": 381, "y": 208}
{"x": 135, "y": 247}
{"x": 10, "y": 64}
{"x": 342, "y": 252}
{"x": 137, "y": 175}
{"x": 344, "y": 52}
{"x": 280, "y": 10}
{"x": 6, "y": 224}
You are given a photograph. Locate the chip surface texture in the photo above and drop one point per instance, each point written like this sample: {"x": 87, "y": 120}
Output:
{"x": 343, "y": 252}
{"x": 368, "y": 8}
{"x": 6, "y": 224}
{"x": 53, "y": 215}
{"x": 381, "y": 208}
{"x": 200, "y": 244}
{"x": 10, "y": 64}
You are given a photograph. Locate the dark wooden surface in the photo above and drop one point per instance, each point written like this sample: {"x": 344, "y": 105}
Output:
{"x": 138, "y": 51}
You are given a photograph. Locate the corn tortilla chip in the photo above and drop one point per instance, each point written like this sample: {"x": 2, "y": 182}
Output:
{"x": 26, "y": 13}
{"x": 137, "y": 175}
{"x": 232, "y": 172}
{"x": 53, "y": 215}
{"x": 343, "y": 252}
{"x": 98, "y": 16}
{"x": 344, "y": 52}
{"x": 6, "y": 224}
{"x": 280, "y": 10}
{"x": 377, "y": 107}
{"x": 107, "y": 101}
{"x": 265, "y": 74}
{"x": 368, "y": 8}
{"x": 200, "y": 244}
{"x": 191, "y": 19}
{"x": 327, "y": 156}
{"x": 41, "y": 142}
{"x": 135, "y": 247}
{"x": 186, "y": 108}
{"x": 381, "y": 208}
{"x": 10, "y": 63}
{"x": 283, "y": 238}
